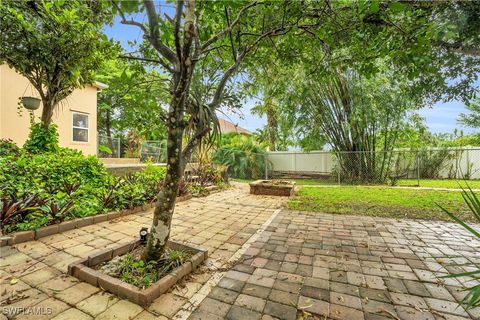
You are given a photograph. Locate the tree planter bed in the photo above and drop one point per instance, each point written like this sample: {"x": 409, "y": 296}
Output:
{"x": 24, "y": 236}
{"x": 85, "y": 270}
{"x": 272, "y": 188}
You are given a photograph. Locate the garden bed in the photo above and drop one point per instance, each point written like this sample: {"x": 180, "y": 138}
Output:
{"x": 24, "y": 236}
{"x": 272, "y": 188}
{"x": 95, "y": 271}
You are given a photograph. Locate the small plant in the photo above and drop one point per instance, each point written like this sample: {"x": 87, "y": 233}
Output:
{"x": 472, "y": 299}
{"x": 14, "y": 207}
{"x": 58, "y": 207}
{"x": 142, "y": 274}
{"x": 197, "y": 189}
{"x": 137, "y": 272}
{"x": 41, "y": 139}
{"x": 172, "y": 260}
{"x": 104, "y": 150}
{"x": 108, "y": 196}
{"x": 183, "y": 187}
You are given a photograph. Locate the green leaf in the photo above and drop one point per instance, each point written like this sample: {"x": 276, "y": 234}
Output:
{"x": 396, "y": 6}
{"x": 374, "y": 6}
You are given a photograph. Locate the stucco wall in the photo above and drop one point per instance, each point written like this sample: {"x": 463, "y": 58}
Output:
{"x": 16, "y": 127}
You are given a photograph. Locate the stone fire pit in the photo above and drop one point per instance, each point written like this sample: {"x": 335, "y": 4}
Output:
{"x": 85, "y": 270}
{"x": 272, "y": 187}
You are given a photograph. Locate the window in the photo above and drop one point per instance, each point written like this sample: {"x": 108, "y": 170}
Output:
{"x": 80, "y": 127}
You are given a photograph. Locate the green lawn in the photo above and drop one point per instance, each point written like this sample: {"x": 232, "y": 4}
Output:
{"x": 439, "y": 183}
{"x": 380, "y": 202}
{"x": 299, "y": 182}
{"x": 428, "y": 183}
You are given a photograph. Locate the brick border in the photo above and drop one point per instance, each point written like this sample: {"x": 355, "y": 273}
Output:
{"x": 83, "y": 270}
{"x": 24, "y": 236}
{"x": 267, "y": 188}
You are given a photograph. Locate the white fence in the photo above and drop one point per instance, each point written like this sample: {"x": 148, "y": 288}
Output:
{"x": 452, "y": 163}
{"x": 314, "y": 162}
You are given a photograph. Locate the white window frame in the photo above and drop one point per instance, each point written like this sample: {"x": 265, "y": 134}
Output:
{"x": 82, "y": 128}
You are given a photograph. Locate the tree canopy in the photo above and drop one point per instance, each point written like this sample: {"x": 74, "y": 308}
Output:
{"x": 472, "y": 117}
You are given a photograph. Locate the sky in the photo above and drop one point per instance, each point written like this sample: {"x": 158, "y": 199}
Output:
{"x": 440, "y": 118}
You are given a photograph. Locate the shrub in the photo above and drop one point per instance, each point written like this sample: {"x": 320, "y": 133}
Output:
{"x": 242, "y": 155}
{"x": 152, "y": 179}
{"x": 8, "y": 148}
{"x": 44, "y": 188}
{"x": 41, "y": 139}
{"x": 208, "y": 174}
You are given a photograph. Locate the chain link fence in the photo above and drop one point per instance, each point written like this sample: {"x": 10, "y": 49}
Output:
{"x": 381, "y": 167}
{"x": 154, "y": 151}
{"x": 397, "y": 167}
{"x": 108, "y": 147}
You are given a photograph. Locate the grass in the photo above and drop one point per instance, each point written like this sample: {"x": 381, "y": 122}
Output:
{"x": 428, "y": 183}
{"x": 439, "y": 183}
{"x": 299, "y": 182}
{"x": 380, "y": 202}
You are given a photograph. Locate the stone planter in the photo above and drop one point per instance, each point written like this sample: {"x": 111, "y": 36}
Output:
{"x": 272, "y": 188}
{"x": 84, "y": 270}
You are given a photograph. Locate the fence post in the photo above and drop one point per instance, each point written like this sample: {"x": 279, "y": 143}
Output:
{"x": 266, "y": 165}
{"x": 295, "y": 161}
{"x": 118, "y": 148}
{"x": 339, "y": 166}
{"x": 418, "y": 168}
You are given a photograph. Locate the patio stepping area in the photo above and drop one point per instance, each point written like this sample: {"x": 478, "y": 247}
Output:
{"x": 323, "y": 266}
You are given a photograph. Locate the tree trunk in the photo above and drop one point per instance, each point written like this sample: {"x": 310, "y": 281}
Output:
{"x": 47, "y": 112}
{"x": 271, "y": 124}
{"x": 162, "y": 216}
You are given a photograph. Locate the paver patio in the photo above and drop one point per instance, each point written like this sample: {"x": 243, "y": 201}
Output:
{"x": 302, "y": 265}
{"x": 310, "y": 265}
{"x": 221, "y": 222}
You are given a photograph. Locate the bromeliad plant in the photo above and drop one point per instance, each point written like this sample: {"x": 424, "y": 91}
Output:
{"x": 472, "y": 299}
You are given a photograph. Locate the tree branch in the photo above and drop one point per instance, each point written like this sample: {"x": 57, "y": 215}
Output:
{"x": 176, "y": 28}
{"x": 126, "y": 21}
{"x": 154, "y": 35}
{"x": 217, "y": 97}
{"x": 459, "y": 47}
{"x": 160, "y": 61}
{"x": 193, "y": 143}
{"x": 229, "y": 28}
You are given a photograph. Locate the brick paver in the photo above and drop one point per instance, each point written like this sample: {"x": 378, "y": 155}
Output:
{"x": 221, "y": 222}
{"x": 312, "y": 265}
{"x": 304, "y": 265}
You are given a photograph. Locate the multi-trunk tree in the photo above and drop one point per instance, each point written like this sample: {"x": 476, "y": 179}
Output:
{"x": 313, "y": 34}
{"x": 195, "y": 32}
{"x": 228, "y": 35}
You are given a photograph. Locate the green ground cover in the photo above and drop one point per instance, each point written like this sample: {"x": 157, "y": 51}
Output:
{"x": 439, "y": 183}
{"x": 380, "y": 202}
{"x": 427, "y": 183}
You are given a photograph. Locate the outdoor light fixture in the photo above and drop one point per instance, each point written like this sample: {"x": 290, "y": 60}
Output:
{"x": 143, "y": 234}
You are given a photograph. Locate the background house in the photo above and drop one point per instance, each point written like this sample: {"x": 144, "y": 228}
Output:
{"x": 227, "y": 126}
{"x": 76, "y": 116}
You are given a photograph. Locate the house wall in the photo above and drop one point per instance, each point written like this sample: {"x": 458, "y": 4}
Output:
{"x": 16, "y": 127}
